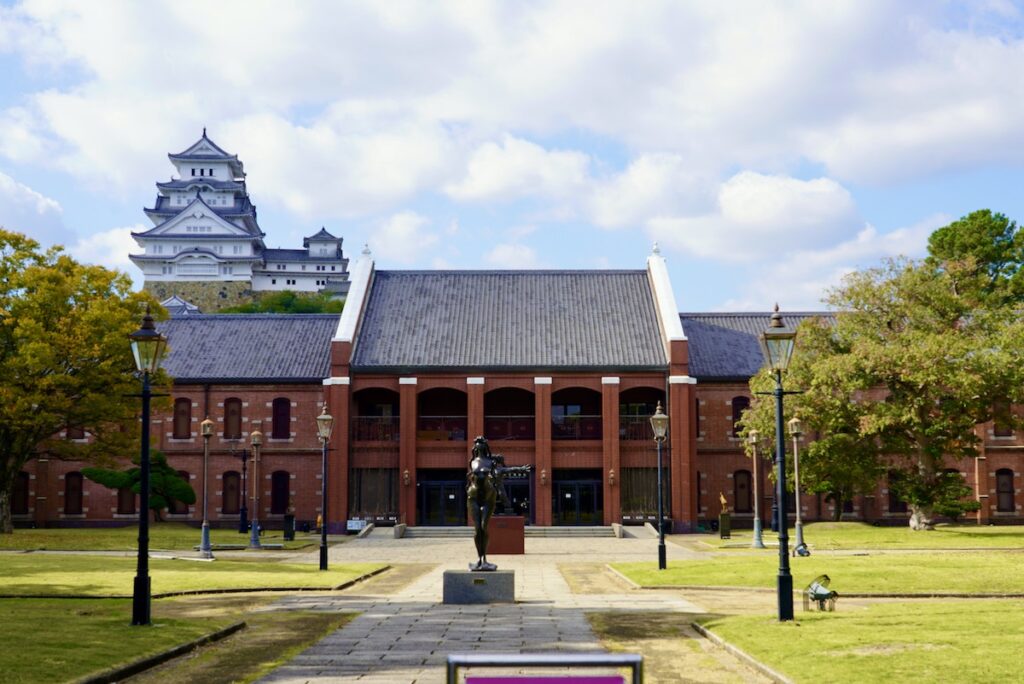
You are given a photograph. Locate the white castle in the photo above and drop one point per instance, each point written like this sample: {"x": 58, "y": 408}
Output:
{"x": 206, "y": 246}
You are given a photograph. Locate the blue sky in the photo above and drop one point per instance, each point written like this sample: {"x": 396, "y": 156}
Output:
{"x": 769, "y": 148}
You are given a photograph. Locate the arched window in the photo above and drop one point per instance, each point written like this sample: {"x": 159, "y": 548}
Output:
{"x": 1002, "y": 425}
{"x": 742, "y": 492}
{"x": 1004, "y": 491}
{"x": 74, "y": 432}
{"x": 233, "y": 418}
{"x": 896, "y": 504}
{"x": 230, "y": 504}
{"x": 280, "y": 483}
{"x": 282, "y": 419}
{"x": 739, "y": 405}
{"x": 19, "y": 500}
{"x": 73, "y": 494}
{"x": 180, "y": 507}
{"x": 125, "y": 501}
{"x": 182, "y": 418}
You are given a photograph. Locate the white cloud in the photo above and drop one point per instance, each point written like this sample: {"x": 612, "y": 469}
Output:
{"x": 23, "y": 210}
{"x": 652, "y": 185}
{"x": 759, "y": 215}
{"x": 799, "y": 281}
{"x": 509, "y": 255}
{"x": 403, "y": 237}
{"x": 519, "y": 168}
{"x": 110, "y": 248}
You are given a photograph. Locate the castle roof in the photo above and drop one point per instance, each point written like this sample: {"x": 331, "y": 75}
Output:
{"x": 204, "y": 150}
{"x": 539, "y": 320}
{"x": 323, "y": 235}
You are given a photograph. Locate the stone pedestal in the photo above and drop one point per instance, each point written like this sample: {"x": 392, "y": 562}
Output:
{"x": 463, "y": 586}
{"x": 506, "y": 534}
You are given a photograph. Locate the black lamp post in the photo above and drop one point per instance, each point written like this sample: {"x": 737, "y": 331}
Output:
{"x": 324, "y": 425}
{"x": 659, "y": 424}
{"x": 796, "y": 430}
{"x": 243, "y": 510}
{"x": 256, "y": 440}
{"x": 148, "y": 347}
{"x": 777, "y": 343}
{"x": 205, "y": 550}
{"x": 758, "y": 543}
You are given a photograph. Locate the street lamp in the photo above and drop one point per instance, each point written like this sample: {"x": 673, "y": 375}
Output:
{"x": 659, "y": 424}
{"x": 796, "y": 429}
{"x": 777, "y": 344}
{"x": 324, "y": 425}
{"x": 243, "y": 510}
{"x": 753, "y": 436}
{"x": 256, "y": 440}
{"x": 205, "y": 550}
{"x": 148, "y": 347}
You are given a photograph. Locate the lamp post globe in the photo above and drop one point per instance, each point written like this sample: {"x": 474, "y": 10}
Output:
{"x": 753, "y": 437}
{"x": 324, "y": 427}
{"x": 659, "y": 425}
{"x": 148, "y": 347}
{"x": 255, "y": 441}
{"x": 777, "y": 343}
{"x": 206, "y": 430}
{"x": 796, "y": 430}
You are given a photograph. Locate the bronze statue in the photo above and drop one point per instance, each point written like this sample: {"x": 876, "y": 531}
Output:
{"x": 484, "y": 488}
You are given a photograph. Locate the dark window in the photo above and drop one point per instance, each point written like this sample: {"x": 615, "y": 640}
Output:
{"x": 1004, "y": 491}
{"x": 742, "y": 492}
{"x": 280, "y": 482}
{"x": 193, "y": 172}
{"x": 739, "y": 405}
{"x": 1002, "y": 425}
{"x": 182, "y": 418}
{"x": 180, "y": 507}
{"x": 282, "y": 418}
{"x": 125, "y": 501}
{"x": 73, "y": 494}
{"x": 896, "y": 504}
{"x": 233, "y": 419}
{"x": 19, "y": 498}
{"x": 75, "y": 432}
{"x": 232, "y": 488}
{"x": 848, "y": 506}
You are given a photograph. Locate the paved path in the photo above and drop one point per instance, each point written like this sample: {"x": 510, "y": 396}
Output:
{"x": 406, "y": 635}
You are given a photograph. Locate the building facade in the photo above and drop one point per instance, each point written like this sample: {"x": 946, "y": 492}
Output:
{"x": 206, "y": 245}
{"x": 560, "y": 370}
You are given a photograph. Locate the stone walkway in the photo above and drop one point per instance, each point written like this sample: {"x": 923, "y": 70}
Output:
{"x": 406, "y": 636}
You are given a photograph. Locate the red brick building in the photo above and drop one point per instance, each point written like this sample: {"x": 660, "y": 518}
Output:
{"x": 558, "y": 369}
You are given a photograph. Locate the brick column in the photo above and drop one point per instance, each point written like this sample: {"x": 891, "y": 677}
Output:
{"x": 610, "y": 450}
{"x": 542, "y": 431}
{"x": 407, "y": 450}
{"x": 474, "y": 409}
{"x": 683, "y": 444}
{"x": 42, "y": 488}
{"x": 339, "y": 402}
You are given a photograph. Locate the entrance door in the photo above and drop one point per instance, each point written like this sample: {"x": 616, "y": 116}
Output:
{"x": 578, "y": 503}
{"x": 443, "y": 503}
{"x": 519, "y": 500}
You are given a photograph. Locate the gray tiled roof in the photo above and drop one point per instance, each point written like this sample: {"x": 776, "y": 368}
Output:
{"x": 249, "y": 347}
{"x": 726, "y": 346}
{"x": 274, "y": 254}
{"x": 509, "y": 319}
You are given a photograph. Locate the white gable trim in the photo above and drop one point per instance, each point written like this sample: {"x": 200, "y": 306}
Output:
{"x": 197, "y": 209}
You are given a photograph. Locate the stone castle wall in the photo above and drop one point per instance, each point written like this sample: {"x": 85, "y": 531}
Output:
{"x": 209, "y": 296}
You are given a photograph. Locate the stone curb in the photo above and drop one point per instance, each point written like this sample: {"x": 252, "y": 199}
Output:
{"x": 741, "y": 655}
{"x": 202, "y": 592}
{"x": 120, "y": 673}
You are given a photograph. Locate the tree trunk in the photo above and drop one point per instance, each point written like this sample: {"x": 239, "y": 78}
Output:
{"x": 921, "y": 518}
{"x": 6, "y": 524}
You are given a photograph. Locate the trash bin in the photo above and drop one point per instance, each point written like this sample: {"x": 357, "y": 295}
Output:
{"x": 723, "y": 525}
{"x": 289, "y": 527}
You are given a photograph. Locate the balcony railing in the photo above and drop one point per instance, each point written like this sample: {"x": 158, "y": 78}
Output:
{"x": 375, "y": 428}
{"x": 576, "y": 427}
{"x": 441, "y": 428}
{"x": 637, "y": 428}
{"x": 509, "y": 427}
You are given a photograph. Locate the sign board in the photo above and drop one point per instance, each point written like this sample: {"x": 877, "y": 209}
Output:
{"x": 356, "y": 525}
{"x": 548, "y": 679}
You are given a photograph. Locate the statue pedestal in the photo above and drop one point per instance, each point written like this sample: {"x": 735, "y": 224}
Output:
{"x": 506, "y": 535}
{"x": 463, "y": 586}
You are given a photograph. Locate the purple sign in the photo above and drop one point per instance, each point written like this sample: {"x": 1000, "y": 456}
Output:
{"x": 548, "y": 679}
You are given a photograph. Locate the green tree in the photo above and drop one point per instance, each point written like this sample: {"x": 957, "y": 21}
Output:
{"x": 64, "y": 359}
{"x": 916, "y": 358}
{"x": 287, "y": 301}
{"x": 165, "y": 485}
{"x": 987, "y": 245}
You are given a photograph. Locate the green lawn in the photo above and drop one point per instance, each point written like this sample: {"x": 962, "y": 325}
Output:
{"x": 975, "y": 641}
{"x": 985, "y": 572}
{"x": 59, "y": 640}
{"x": 855, "y": 535}
{"x": 54, "y": 574}
{"x": 162, "y": 536}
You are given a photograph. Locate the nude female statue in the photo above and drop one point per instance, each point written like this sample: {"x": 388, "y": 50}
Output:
{"x": 484, "y": 487}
